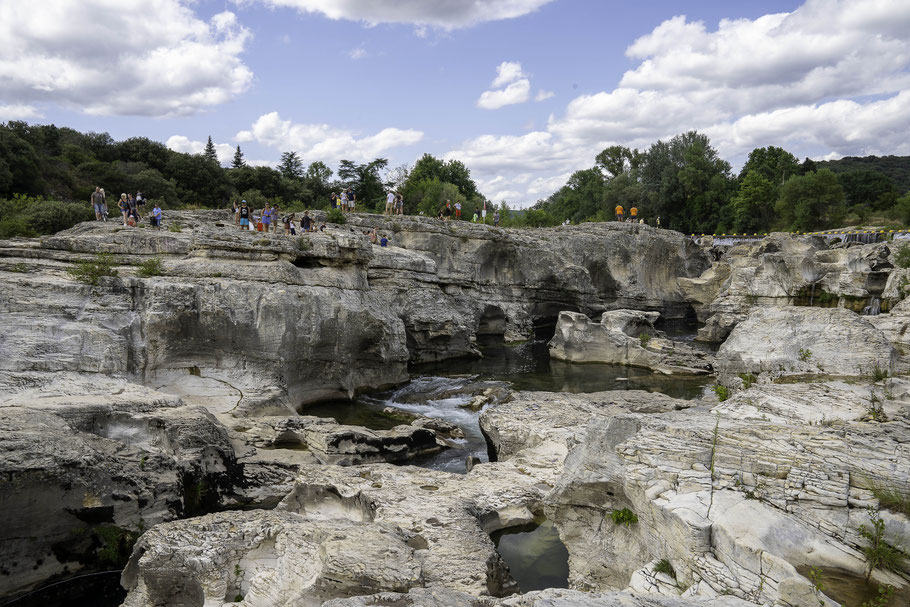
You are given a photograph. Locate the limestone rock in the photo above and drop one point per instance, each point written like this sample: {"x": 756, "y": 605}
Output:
{"x": 624, "y": 337}
{"x": 802, "y": 340}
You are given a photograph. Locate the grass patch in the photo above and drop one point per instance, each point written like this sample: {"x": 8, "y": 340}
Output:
{"x": 890, "y": 498}
{"x": 150, "y": 267}
{"x": 20, "y": 267}
{"x": 304, "y": 243}
{"x": 644, "y": 338}
{"x": 664, "y": 566}
{"x": 748, "y": 380}
{"x": 879, "y": 373}
{"x": 174, "y": 227}
{"x": 805, "y": 354}
{"x": 116, "y": 544}
{"x": 90, "y": 272}
{"x": 624, "y": 517}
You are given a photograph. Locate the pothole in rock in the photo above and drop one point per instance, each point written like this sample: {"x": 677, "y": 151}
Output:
{"x": 848, "y": 588}
{"x": 536, "y": 557}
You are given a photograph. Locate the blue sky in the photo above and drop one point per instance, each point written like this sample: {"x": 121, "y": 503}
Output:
{"x": 357, "y": 79}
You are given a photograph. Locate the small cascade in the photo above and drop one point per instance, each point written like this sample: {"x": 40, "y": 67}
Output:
{"x": 874, "y": 308}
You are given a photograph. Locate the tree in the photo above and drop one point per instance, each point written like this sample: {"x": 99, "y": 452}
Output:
{"x": 365, "y": 181}
{"x": 774, "y": 164}
{"x": 867, "y": 188}
{"x": 210, "y": 154}
{"x": 291, "y": 166}
{"x": 238, "y": 162}
{"x": 812, "y": 201}
{"x": 615, "y": 160}
{"x": 753, "y": 205}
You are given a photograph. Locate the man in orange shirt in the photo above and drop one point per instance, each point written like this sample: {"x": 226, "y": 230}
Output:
{"x": 619, "y": 212}
{"x": 633, "y": 213}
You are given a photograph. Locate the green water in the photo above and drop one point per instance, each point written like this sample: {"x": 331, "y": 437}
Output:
{"x": 359, "y": 412}
{"x": 851, "y": 590}
{"x": 536, "y": 557}
{"x": 528, "y": 366}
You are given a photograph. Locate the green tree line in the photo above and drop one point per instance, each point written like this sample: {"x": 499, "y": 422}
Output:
{"x": 685, "y": 183}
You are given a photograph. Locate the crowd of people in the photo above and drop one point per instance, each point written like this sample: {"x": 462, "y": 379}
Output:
{"x": 128, "y": 206}
{"x": 269, "y": 219}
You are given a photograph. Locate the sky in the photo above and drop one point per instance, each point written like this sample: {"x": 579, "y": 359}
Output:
{"x": 524, "y": 92}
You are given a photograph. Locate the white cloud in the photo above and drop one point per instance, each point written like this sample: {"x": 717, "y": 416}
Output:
{"x": 161, "y": 59}
{"x": 443, "y": 14}
{"x": 543, "y": 95}
{"x": 179, "y": 143}
{"x": 830, "y": 78}
{"x": 507, "y": 72}
{"x": 518, "y": 89}
{"x": 18, "y": 111}
{"x": 323, "y": 142}
{"x": 357, "y": 53}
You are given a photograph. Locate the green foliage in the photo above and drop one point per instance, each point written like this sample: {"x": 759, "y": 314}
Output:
{"x": 891, "y": 498}
{"x": 895, "y": 168}
{"x": 150, "y": 267}
{"x": 116, "y": 544}
{"x": 883, "y": 599}
{"x": 623, "y": 517}
{"x": 879, "y": 553}
{"x": 902, "y": 257}
{"x": 644, "y": 338}
{"x": 878, "y": 372}
{"x": 262, "y": 242}
{"x": 174, "y": 227}
{"x": 804, "y": 354}
{"x": 335, "y": 216}
{"x": 753, "y": 204}
{"x": 664, "y": 566}
{"x": 812, "y": 201}
{"x": 722, "y": 392}
{"x": 90, "y": 272}
{"x": 28, "y": 216}
{"x": 748, "y": 380}
{"x": 20, "y": 267}
{"x": 291, "y": 166}
{"x": 304, "y": 243}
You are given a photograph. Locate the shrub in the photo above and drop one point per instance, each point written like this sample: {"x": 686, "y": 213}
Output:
{"x": 335, "y": 216}
{"x": 879, "y": 373}
{"x": 90, "y": 272}
{"x": 890, "y": 498}
{"x": 879, "y": 553}
{"x": 902, "y": 257}
{"x": 174, "y": 227}
{"x": 20, "y": 267}
{"x": 805, "y": 354}
{"x": 748, "y": 380}
{"x": 304, "y": 243}
{"x": 150, "y": 267}
{"x": 11, "y": 227}
{"x": 644, "y": 338}
{"x": 624, "y": 517}
{"x": 664, "y": 566}
{"x": 263, "y": 242}
{"x": 722, "y": 392}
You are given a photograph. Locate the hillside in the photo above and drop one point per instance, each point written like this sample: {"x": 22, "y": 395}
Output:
{"x": 896, "y": 168}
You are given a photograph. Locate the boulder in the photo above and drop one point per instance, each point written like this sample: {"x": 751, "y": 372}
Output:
{"x": 805, "y": 341}
{"x": 624, "y": 337}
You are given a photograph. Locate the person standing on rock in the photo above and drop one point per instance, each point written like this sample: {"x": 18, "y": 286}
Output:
{"x": 457, "y": 210}
{"x": 389, "y": 203}
{"x": 244, "y": 214}
{"x": 351, "y": 199}
{"x": 496, "y": 218}
{"x": 97, "y": 199}
{"x": 156, "y": 217}
{"x": 344, "y": 201}
{"x": 447, "y": 211}
{"x": 399, "y": 204}
{"x": 266, "y": 217}
{"x": 124, "y": 207}
{"x": 619, "y": 212}
{"x": 633, "y": 214}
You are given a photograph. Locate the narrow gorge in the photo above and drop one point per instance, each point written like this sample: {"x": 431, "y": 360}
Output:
{"x": 595, "y": 414}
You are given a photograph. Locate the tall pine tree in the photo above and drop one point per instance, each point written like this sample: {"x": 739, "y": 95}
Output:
{"x": 238, "y": 162}
{"x": 291, "y": 166}
{"x": 209, "y": 153}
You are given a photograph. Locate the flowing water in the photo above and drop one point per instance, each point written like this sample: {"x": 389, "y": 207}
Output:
{"x": 442, "y": 390}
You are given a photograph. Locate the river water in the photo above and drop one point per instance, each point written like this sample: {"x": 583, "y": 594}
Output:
{"x": 443, "y": 390}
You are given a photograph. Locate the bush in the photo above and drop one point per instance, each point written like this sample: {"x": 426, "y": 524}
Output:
{"x": 879, "y": 553}
{"x": 304, "y": 243}
{"x": 644, "y": 338}
{"x": 902, "y": 257}
{"x": 90, "y": 272}
{"x": 150, "y": 267}
{"x": 335, "y": 216}
{"x": 174, "y": 227}
{"x": 748, "y": 380}
{"x": 722, "y": 392}
{"x": 890, "y": 498}
{"x": 805, "y": 354}
{"x": 11, "y": 227}
{"x": 624, "y": 517}
{"x": 28, "y": 217}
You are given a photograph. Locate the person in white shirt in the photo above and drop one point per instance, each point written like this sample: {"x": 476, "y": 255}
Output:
{"x": 389, "y": 203}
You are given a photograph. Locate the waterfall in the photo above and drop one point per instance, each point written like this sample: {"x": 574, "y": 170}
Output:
{"x": 874, "y": 308}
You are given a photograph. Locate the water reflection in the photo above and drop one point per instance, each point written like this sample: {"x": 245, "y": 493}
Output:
{"x": 536, "y": 557}
{"x": 92, "y": 590}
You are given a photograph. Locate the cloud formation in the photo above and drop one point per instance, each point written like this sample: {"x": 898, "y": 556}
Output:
{"x": 324, "y": 142}
{"x": 830, "y": 78}
{"x": 131, "y": 57}
{"x": 517, "y": 87}
{"x": 442, "y": 14}
{"x": 179, "y": 143}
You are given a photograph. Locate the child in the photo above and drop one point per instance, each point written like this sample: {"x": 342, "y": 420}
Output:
{"x": 384, "y": 241}
{"x": 156, "y": 217}
{"x": 291, "y": 225}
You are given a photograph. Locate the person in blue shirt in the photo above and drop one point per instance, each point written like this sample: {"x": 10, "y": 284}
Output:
{"x": 156, "y": 217}
{"x": 384, "y": 241}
